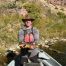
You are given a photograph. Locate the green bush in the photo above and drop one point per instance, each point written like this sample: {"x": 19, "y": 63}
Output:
{"x": 61, "y": 15}
{"x": 8, "y": 5}
{"x": 56, "y": 7}
{"x": 11, "y": 5}
{"x": 62, "y": 9}
{"x": 33, "y": 10}
{"x": 48, "y": 25}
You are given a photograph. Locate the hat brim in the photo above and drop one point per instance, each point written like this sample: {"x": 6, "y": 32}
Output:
{"x": 24, "y": 20}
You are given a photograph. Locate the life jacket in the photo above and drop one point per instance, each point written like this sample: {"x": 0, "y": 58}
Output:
{"x": 28, "y": 38}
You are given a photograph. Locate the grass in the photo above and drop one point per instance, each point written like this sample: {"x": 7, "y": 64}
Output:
{"x": 48, "y": 25}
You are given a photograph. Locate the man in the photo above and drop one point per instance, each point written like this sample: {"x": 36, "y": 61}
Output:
{"x": 27, "y": 35}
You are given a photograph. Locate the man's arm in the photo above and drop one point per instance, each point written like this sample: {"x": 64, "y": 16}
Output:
{"x": 36, "y": 35}
{"x": 21, "y": 36}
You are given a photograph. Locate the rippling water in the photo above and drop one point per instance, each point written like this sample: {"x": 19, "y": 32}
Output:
{"x": 58, "y": 52}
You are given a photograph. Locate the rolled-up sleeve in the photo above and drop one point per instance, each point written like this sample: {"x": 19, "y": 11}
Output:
{"x": 21, "y": 35}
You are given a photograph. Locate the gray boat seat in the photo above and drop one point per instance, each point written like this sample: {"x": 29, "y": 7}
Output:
{"x": 31, "y": 64}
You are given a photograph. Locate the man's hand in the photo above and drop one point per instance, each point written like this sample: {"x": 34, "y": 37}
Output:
{"x": 34, "y": 43}
{"x": 21, "y": 45}
{"x": 33, "y": 46}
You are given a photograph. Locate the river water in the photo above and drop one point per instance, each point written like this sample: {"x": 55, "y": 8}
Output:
{"x": 58, "y": 52}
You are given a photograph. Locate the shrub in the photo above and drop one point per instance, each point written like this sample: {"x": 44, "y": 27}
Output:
{"x": 56, "y": 7}
{"x": 62, "y": 9}
{"x": 61, "y": 15}
{"x": 33, "y": 10}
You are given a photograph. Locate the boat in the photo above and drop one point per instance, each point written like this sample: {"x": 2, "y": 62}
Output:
{"x": 44, "y": 58}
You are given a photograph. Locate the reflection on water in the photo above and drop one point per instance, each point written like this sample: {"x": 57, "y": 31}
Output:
{"x": 61, "y": 55}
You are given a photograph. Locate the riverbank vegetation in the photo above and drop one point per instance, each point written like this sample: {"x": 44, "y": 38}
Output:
{"x": 51, "y": 25}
